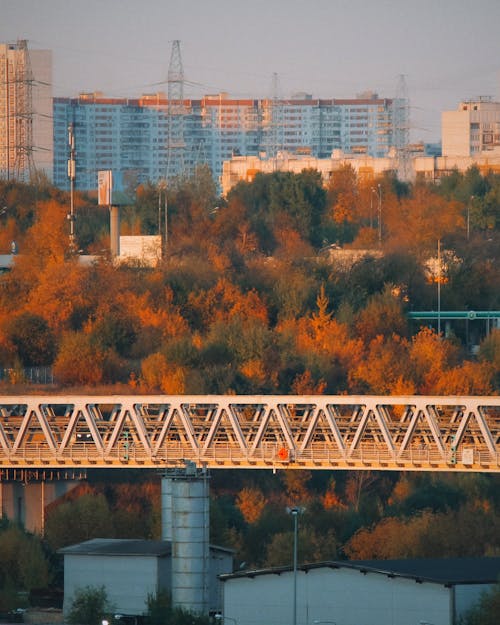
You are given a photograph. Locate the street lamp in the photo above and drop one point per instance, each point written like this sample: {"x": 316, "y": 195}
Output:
{"x": 316, "y": 622}
{"x": 295, "y": 513}
{"x": 378, "y": 193}
{"x": 221, "y": 617}
{"x": 469, "y": 204}
{"x": 71, "y": 176}
{"x": 162, "y": 186}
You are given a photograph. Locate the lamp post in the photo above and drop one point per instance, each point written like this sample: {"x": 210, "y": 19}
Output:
{"x": 221, "y": 617}
{"x": 295, "y": 513}
{"x": 378, "y": 193}
{"x": 71, "y": 176}
{"x": 439, "y": 288}
{"x": 469, "y": 204}
{"x": 162, "y": 187}
{"x": 316, "y": 622}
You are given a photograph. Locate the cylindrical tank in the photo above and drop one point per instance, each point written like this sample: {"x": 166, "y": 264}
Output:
{"x": 190, "y": 543}
{"x": 166, "y": 508}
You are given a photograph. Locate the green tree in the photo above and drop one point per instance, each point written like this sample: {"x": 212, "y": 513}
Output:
{"x": 23, "y": 565}
{"x": 486, "y": 611}
{"x": 89, "y": 606}
{"x": 76, "y": 521}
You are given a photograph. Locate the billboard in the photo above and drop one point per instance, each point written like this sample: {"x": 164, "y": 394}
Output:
{"x": 111, "y": 189}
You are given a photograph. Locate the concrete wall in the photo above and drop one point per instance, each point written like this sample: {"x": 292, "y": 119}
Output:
{"x": 344, "y": 596}
{"x": 220, "y": 563}
{"x": 455, "y": 133}
{"x": 127, "y": 580}
{"x": 26, "y": 503}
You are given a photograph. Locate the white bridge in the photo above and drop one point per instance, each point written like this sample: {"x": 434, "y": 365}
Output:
{"x": 251, "y": 431}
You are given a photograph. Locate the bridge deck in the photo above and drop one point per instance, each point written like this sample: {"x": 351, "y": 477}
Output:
{"x": 233, "y": 431}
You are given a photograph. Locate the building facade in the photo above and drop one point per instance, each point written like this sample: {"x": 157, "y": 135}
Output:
{"x": 25, "y": 111}
{"x": 472, "y": 129}
{"x": 368, "y": 168}
{"x": 153, "y": 140}
{"x": 406, "y": 592}
{"x": 130, "y": 570}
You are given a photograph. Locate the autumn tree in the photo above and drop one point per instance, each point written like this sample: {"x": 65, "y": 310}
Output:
{"x": 311, "y": 547}
{"x": 391, "y": 538}
{"x": 34, "y": 341}
{"x": 383, "y": 315}
{"x": 343, "y": 200}
{"x": 251, "y": 503}
{"x": 79, "y": 361}
{"x": 385, "y": 369}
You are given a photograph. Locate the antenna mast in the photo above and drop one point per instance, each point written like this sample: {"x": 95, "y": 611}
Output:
{"x": 176, "y": 144}
{"x": 401, "y": 127}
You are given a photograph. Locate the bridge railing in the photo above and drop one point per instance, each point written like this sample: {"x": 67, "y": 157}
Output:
{"x": 266, "y": 456}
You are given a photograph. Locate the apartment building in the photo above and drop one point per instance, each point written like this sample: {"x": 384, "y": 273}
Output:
{"x": 472, "y": 129}
{"x": 154, "y": 139}
{"x": 25, "y": 111}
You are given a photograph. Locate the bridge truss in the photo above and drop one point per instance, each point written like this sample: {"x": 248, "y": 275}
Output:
{"x": 264, "y": 431}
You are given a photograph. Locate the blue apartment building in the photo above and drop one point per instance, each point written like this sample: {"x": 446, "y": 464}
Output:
{"x": 148, "y": 139}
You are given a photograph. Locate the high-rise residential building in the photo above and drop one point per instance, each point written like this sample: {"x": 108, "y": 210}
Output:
{"x": 132, "y": 135}
{"x": 25, "y": 111}
{"x": 473, "y": 128}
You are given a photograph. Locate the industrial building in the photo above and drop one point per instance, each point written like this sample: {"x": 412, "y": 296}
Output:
{"x": 130, "y": 570}
{"x": 406, "y": 592}
{"x": 138, "y": 137}
{"x": 25, "y": 111}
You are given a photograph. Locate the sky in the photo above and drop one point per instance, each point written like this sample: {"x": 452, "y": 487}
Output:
{"x": 447, "y": 50}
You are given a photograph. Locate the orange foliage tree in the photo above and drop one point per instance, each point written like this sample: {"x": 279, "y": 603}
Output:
{"x": 251, "y": 503}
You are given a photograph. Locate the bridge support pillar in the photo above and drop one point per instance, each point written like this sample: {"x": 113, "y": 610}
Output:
{"x": 25, "y": 503}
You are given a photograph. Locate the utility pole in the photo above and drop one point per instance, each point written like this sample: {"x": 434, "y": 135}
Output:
{"x": 71, "y": 176}
{"x": 378, "y": 193}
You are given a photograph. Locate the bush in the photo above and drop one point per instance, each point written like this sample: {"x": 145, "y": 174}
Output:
{"x": 89, "y": 606}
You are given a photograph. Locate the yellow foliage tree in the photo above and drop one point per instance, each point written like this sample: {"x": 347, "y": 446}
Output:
{"x": 251, "y": 503}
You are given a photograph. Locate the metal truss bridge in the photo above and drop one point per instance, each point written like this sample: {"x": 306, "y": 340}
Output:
{"x": 251, "y": 431}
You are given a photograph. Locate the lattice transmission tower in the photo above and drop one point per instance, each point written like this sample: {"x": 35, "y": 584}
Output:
{"x": 401, "y": 127}
{"x": 16, "y": 111}
{"x": 277, "y": 130}
{"x": 176, "y": 146}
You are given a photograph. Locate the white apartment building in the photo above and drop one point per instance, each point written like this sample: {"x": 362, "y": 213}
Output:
{"x": 472, "y": 129}
{"x": 25, "y": 111}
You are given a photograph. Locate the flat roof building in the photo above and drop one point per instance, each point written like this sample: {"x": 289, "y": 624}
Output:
{"x": 472, "y": 129}
{"x": 375, "y": 592}
{"x": 140, "y": 136}
{"x": 130, "y": 570}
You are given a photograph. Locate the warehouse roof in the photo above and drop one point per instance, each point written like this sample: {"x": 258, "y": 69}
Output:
{"x": 119, "y": 547}
{"x": 126, "y": 547}
{"x": 446, "y": 571}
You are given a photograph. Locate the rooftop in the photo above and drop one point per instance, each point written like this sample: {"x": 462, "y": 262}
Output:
{"x": 446, "y": 571}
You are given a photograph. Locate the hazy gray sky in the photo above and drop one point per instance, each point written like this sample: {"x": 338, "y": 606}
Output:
{"x": 447, "y": 49}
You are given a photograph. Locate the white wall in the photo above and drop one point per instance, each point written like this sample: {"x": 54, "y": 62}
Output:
{"x": 127, "y": 580}
{"x": 455, "y": 133}
{"x": 344, "y": 596}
